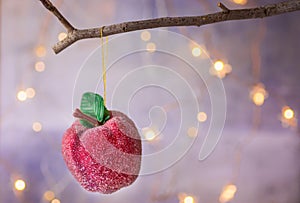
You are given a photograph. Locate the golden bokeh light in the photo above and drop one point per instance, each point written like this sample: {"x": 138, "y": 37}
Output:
{"x": 151, "y": 47}
{"x": 39, "y": 66}
{"x": 219, "y": 65}
{"x": 37, "y": 126}
{"x": 21, "y": 95}
{"x": 40, "y": 51}
{"x": 188, "y": 199}
{"x": 201, "y": 116}
{"x": 258, "y": 94}
{"x": 62, "y": 36}
{"x": 287, "y": 112}
{"x": 55, "y": 200}
{"x": 30, "y": 92}
{"x": 240, "y": 2}
{"x": 196, "y": 51}
{"x": 20, "y": 185}
{"x": 145, "y": 35}
{"x": 192, "y": 132}
{"x": 288, "y": 118}
{"x": 49, "y": 195}
{"x": 220, "y": 69}
{"x": 149, "y": 134}
{"x": 228, "y": 193}
{"x": 258, "y": 98}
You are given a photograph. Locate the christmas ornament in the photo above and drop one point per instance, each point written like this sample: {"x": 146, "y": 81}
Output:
{"x": 102, "y": 149}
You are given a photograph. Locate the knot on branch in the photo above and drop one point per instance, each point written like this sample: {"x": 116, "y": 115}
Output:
{"x": 223, "y": 7}
{"x": 268, "y": 10}
{"x": 124, "y": 28}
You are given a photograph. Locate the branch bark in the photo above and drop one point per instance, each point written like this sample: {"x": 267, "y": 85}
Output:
{"x": 226, "y": 14}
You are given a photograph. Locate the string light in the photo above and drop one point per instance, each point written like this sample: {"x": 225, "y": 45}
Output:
{"x": 219, "y": 65}
{"x": 40, "y": 51}
{"x": 20, "y": 185}
{"x": 149, "y": 134}
{"x": 258, "y": 94}
{"x": 201, "y": 116}
{"x": 145, "y": 36}
{"x": 287, "y": 117}
{"x": 49, "y": 195}
{"x": 37, "y": 126}
{"x": 192, "y": 132}
{"x": 184, "y": 198}
{"x": 62, "y": 36}
{"x": 188, "y": 199}
{"x": 220, "y": 69}
{"x": 241, "y": 2}
{"x": 258, "y": 98}
{"x": 228, "y": 193}
{"x": 151, "y": 47}
{"x": 196, "y": 51}
{"x": 30, "y": 92}
{"x": 39, "y": 66}
{"x": 55, "y": 200}
{"x": 21, "y": 95}
{"x": 287, "y": 112}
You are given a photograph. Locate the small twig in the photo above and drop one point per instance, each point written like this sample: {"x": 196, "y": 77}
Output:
{"x": 226, "y": 15}
{"x": 60, "y": 17}
{"x": 223, "y": 7}
{"x": 78, "y": 114}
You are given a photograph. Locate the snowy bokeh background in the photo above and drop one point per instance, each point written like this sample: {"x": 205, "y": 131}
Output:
{"x": 256, "y": 152}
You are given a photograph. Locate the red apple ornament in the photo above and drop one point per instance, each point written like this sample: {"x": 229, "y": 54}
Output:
{"x": 103, "y": 148}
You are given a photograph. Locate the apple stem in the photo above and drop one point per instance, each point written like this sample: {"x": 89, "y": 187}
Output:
{"x": 78, "y": 114}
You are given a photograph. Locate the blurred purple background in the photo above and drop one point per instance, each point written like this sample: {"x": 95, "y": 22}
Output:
{"x": 257, "y": 152}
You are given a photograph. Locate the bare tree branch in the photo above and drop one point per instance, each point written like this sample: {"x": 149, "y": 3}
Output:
{"x": 60, "y": 17}
{"x": 223, "y": 7}
{"x": 225, "y": 15}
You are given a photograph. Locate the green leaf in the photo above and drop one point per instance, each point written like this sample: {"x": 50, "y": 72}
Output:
{"x": 93, "y": 105}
